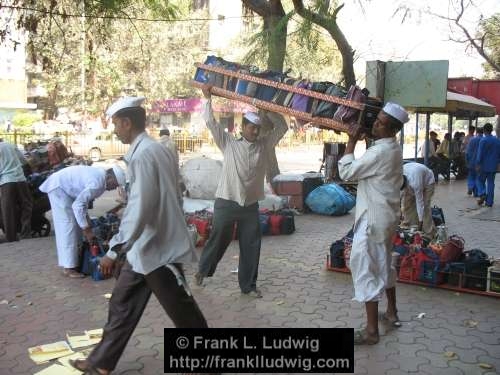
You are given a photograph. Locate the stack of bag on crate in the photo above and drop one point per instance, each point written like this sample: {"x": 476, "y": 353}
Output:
{"x": 272, "y": 222}
{"x": 443, "y": 261}
{"x": 298, "y": 102}
{"x": 104, "y": 227}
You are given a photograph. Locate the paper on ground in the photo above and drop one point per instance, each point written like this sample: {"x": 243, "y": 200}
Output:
{"x": 46, "y": 352}
{"x": 80, "y": 339}
{"x": 57, "y": 370}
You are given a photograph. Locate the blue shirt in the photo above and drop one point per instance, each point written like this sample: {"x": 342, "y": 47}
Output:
{"x": 11, "y": 169}
{"x": 488, "y": 153}
{"x": 471, "y": 151}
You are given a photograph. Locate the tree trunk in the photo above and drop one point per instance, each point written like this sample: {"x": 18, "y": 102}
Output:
{"x": 328, "y": 21}
{"x": 275, "y": 27}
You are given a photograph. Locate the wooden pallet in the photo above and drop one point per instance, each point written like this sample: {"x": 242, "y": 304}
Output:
{"x": 321, "y": 122}
{"x": 420, "y": 283}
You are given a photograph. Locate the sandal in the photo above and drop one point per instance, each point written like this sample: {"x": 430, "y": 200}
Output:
{"x": 83, "y": 366}
{"x": 72, "y": 274}
{"x": 361, "y": 337}
{"x": 394, "y": 321}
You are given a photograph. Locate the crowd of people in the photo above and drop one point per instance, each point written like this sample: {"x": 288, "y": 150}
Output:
{"x": 152, "y": 242}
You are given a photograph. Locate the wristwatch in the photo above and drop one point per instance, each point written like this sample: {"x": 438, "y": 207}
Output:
{"x": 112, "y": 254}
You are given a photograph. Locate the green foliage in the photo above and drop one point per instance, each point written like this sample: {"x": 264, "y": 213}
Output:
{"x": 490, "y": 28}
{"x": 25, "y": 119}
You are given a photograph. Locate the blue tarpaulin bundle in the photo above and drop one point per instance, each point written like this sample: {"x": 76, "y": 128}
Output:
{"x": 330, "y": 199}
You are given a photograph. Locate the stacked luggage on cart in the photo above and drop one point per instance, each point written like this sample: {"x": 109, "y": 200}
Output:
{"x": 444, "y": 264}
{"x": 323, "y": 104}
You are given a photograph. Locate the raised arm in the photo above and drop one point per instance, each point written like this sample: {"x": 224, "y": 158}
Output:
{"x": 221, "y": 138}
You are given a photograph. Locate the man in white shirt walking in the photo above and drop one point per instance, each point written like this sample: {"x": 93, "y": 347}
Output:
{"x": 379, "y": 173}
{"x": 70, "y": 192}
{"x": 240, "y": 188}
{"x": 152, "y": 242}
{"x": 416, "y": 199}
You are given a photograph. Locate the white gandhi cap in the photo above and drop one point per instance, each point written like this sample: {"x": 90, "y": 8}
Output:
{"x": 123, "y": 103}
{"x": 396, "y": 111}
{"x": 253, "y": 118}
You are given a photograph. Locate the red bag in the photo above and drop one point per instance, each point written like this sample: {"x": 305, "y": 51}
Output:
{"x": 203, "y": 226}
{"x": 452, "y": 250}
{"x": 408, "y": 269}
{"x": 57, "y": 152}
{"x": 275, "y": 224}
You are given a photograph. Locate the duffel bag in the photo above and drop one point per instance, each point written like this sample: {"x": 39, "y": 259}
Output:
{"x": 348, "y": 114}
{"x": 324, "y": 108}
{"x": 337, "y": 254}
{"x": 288, "y": 223}
{"x": 275, "y": 221}
{"x": 452, "y": 250}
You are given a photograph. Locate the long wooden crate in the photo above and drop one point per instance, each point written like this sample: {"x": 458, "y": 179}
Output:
{"x": 322, "y": 122}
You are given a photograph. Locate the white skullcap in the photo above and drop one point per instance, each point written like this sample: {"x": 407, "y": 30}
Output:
{"x": 253, "y": 118}
{"x": 125, "y": 102}
{"x": 396, "y": 111}
{"x": 119, "y": 174}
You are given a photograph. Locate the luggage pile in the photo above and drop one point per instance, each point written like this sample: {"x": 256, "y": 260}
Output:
{"x": 49, "y": 155}
{"x": 324, "y": 104}
{"x": 104, "y": 227}
{"x": 272, "y": 223}
{"x": 443, "y": 264}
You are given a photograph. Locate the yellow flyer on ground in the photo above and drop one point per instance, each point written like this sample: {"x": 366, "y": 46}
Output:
{"x": 46, "y": 352}
{"x": 94, "y": 335}
{"x": 78, "y": 355}
{"x": 77, "y": 339}
{"x": 57, "y": 370}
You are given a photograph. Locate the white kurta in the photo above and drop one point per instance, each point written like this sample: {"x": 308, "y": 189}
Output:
{"x": 70, "y": 190}
{"x": 379, "y": 173}
{"x": 153, "y": 230}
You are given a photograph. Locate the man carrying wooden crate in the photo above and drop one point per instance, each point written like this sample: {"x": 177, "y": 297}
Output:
{"x": 240, "y": 188}
{"x": 379, "y": 173}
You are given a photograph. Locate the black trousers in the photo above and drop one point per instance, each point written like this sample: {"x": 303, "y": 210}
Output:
{"x": 226, "y": 213}
{"x": 128, "y": 301}
{"x": 17, "y": 204}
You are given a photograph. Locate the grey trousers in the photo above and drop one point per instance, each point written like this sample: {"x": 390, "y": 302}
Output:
{"x": 16, "y": 205}
{"x": 226, "y": 213}
{"x": 409, "y": 210}
{"x": 128, "y": 301}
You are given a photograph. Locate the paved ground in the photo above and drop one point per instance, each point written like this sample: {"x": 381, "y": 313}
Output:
{"x": 298, "y": 292}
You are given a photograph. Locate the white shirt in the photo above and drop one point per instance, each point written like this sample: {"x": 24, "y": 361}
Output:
{"x": 432, "y": 148}
{"x": 244, "y": 167}
{"x": 80, "y": 182}
{"x": 11, "y": 169}
{"x": 418, "y": 176}
{"x": 379, "y": 173}
{"x": 152, "y": 230}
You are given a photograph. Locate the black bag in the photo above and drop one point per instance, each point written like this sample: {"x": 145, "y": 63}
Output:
{"x": 328, "y": 109}
{"x": 337, "y": 254}
{"x": 437, "y": 215}
{"x": 476, "y": 265}
{"x": 283, "y": 97}
{"x": 287, "y": 225}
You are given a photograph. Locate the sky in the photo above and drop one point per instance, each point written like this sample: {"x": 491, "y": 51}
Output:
{"x": 376, "y": 34}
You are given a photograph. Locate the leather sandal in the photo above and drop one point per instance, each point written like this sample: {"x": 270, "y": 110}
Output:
{"x": 72, "y": 274}
{"x": 361, "y": 337}
{"x": 393, "y": 321}
{"x": 83, "y": 366}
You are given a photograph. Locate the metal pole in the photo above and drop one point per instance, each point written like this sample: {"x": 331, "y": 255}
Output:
{"x": 416, "y": 135}
{"x": 427, "y": 127}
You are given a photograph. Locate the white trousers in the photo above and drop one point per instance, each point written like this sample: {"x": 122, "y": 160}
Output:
{"x": 68, "y": 232}
{"x": 370, "y": 263}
